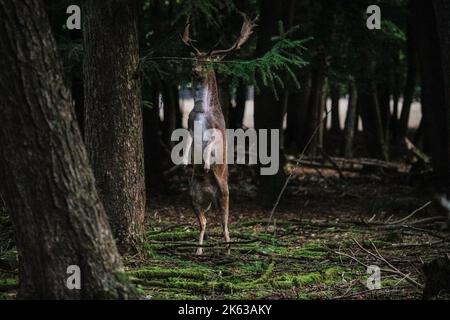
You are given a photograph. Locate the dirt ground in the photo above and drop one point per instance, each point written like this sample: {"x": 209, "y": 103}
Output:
{"x": 326, "y": 231}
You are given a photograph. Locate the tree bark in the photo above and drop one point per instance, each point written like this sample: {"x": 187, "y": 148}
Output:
{"x": 114, "y": 113}
{"x": 172, "y": 113}
{"x": 412, "y": 78}
{"x": 384, "y": 102}
{"x": 433, "y": 91}
{"x": 154, "y": 155}
{"x": 316, "y": 107}
{"x": 225, "y": 98}
{"x": 371, "y": 116}
{"x": 442, "y": 10}
{"x": 47, "y": 183}
{"x": 236, "y": 114}
{"x": 351, "y": 121}
{"x": 335, "y": 116}
{"x": 268, "y": 110}
{"x": 297, "y": 114}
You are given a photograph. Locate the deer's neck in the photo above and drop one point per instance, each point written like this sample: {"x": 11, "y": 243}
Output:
{"x": 206, "y": 98}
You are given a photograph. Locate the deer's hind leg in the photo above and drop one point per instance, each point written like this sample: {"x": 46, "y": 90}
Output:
{"x": 225, "y": 216}
{"x": 201, "y": 216}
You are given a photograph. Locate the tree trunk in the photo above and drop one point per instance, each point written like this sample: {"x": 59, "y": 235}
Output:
{"x": 236, "y": 114}
{"x": 47, "y": 184}
{"x": 384, "y": 101}
{"x": 433, "y": 91}
{"x": 442, "y": 10}
{"x": 172, "y": 113}
{"x": 154, "y": 156}
{"x": 225, "y": 98}
{"x": 114, "y": 114}
{"x": 392, "y": 132}
{"x": 335, "y": 117}
{"x": 371, "y": 118}
{"x": 297, "y": 114}
{"x": 268, "y": 110}
{"x": 351, "y": 121}
{"x": 316, "y": 108}
{"x": 412, "y": 78}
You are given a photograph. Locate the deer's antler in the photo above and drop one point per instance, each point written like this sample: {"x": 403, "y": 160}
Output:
{"x": 187, "y": 39}
{"x": 246, "y": 32}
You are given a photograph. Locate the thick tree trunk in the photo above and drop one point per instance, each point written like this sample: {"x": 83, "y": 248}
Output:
{"x": 442, "y": 9}
{"x": 351, "y": 121}
{"x": 114, "y": 113}
{"x": 46, "y": 180}
{"x": 268, "y": 110}
{"x": 435, "y": 112}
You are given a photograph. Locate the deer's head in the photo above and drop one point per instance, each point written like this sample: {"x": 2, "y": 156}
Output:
{"x": 203, "y": 58}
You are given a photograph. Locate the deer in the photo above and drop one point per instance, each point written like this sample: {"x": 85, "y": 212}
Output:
{"x": 208, "y": 187}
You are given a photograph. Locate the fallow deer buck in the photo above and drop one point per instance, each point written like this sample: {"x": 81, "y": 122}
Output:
{"x": 209, "y": 183}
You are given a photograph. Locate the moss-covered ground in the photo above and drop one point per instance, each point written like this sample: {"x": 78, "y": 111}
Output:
{"x": 310, "y": 251}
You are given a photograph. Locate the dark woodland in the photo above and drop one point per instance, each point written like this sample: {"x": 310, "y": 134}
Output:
{"x": 349, "y": 108}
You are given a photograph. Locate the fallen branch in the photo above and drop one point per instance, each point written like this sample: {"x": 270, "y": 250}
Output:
{"x": 412, "y": 214}
{"x": 330, "y": 159}
{"x": 416, "y": 151}
{"x": 379, "y": 257}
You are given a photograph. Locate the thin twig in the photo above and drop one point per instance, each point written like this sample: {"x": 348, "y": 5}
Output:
{"x": 316, "y": 130}
{"x": 412, "y": 213}
{"x": 379, "y": 257}
{"x": 335, "y": 165}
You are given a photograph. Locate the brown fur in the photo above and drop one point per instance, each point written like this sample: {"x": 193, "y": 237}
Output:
{"x": 209, "y": 188}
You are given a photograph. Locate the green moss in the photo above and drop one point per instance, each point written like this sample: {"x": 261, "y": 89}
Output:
{"x": 172, "y": 295}
{"x": 8, "y": 282}
{"x": 162, "y": 273}
{"x": 256, "y": 266}
{"x": 173, "y": 236}
{"x": 7, "y": 285}
{"x": 312, "y": 250}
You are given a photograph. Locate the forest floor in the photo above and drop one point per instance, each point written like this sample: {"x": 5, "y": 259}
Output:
{"x": 326, "y": 232}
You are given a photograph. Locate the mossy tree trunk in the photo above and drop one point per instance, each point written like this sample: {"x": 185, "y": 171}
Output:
{"x": 113, "y": 118}
{"x": 47, "y": 183}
